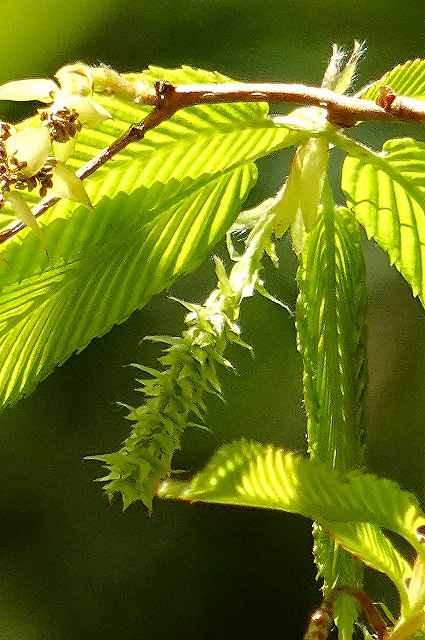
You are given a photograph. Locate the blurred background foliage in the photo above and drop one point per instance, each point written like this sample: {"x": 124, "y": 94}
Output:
{"x": 73, "y": 566}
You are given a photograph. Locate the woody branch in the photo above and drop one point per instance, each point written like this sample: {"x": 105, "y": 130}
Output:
{"x": 343, "y": 111}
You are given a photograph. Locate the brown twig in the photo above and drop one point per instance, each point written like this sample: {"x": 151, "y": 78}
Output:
{"x": 343, "y": 111}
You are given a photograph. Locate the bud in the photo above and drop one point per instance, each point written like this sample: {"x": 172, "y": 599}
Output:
{"x": 75, "y": 79}
{"x": 30, "y": 147}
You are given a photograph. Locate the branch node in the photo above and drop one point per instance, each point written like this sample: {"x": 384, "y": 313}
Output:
{"x": 385, "y": 98}
{"x": 164, "y": 91}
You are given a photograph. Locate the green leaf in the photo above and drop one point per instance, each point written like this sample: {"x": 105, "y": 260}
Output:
{"x": 368, "y": 543}
{"x": 331, "y": 326}
{"x": 386, "y": 191}
{"x": 255, "y": 475}
{"x": 406, "y": 79}
{"x": 337, "y": 568}
{"x": 160, "y": 207}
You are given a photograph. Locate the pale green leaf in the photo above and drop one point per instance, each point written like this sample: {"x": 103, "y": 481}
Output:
{"x": 368, "y": 543}
{"x": 406, "y": 79}
{"x": 386, "y": 191}
{"x": 331, "y": 325}
{"x": 251, "y": 474}
{"x": 160, "y": 207}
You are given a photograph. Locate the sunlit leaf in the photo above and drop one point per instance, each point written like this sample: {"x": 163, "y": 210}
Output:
{"x": 251, "y": 474}
{"x": 331, "y": 325}
{"x": 368, "y": 543}
{"x": 160, "y": 207}
{"x": 406, "y": 79}
{"x": 352, "y": 507}
{"x": 386, "y": 191}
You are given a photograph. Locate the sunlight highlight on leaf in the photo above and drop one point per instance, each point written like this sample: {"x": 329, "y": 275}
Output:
{"x": 406, "y": 79}
{"x": 160, "y": 207}
{"x": 387, "y": 194}
{"x": 251, "y": 474}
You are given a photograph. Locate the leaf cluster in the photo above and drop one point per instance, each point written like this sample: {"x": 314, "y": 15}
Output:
{"x": 159, "y": 209}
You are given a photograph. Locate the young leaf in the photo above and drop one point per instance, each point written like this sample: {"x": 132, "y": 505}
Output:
{"x": 351, "y": 507}
{"x": 160, "y": 207}
{"x": 406, "y": 79}
{"x": 369, "y": 544}
{"x": 251, "y": 474}
{"x": 331, "y": 325}
{"x": 386, "y": 191}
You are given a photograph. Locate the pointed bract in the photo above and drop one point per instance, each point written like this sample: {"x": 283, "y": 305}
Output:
{"x": 89, "y": 112}
{"x": 63, "y": 150}
{"x": 67, "y": 185}
{"x": 41, "y": 89}
{"x": 24, "y": 213}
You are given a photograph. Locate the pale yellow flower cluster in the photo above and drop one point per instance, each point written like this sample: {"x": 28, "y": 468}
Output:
{"x": 33, "y": 152}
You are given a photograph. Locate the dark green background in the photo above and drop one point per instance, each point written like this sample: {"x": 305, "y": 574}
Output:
{"x": 74, "y": 567}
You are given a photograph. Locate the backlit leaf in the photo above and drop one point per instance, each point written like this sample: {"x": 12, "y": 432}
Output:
{"x": 160, "y": 207}
{"x": 255, "y": 475}
{"x": 406, "y": 79}
{"x": 386, "y": 191}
